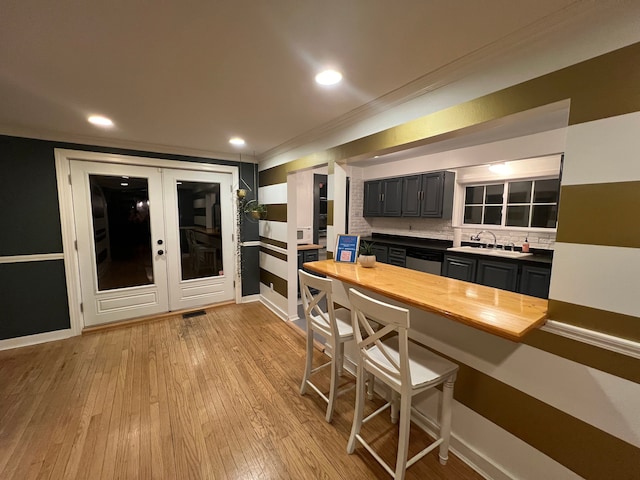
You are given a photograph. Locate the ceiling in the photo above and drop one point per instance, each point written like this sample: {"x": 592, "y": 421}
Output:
{"x": 186, "y": 76}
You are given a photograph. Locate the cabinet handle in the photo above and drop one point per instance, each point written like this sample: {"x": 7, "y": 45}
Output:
{"x": 383, "y": 197}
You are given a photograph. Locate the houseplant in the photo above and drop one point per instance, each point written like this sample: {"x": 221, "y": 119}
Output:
{"x": 255, "y": 210}
{"x": 366, "y": 257}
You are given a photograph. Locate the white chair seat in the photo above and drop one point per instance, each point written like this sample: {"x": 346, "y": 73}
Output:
{"x": 343, "y": 322}
{"x": 425, "y": 367}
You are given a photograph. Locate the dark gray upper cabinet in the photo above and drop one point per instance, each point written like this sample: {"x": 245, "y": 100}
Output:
{"x": 498, "y": 274}
{"x": 460, "y": 268}
{"x": 383, "y": 198}
{"x": 373, "y": 198}
{"x": 535, "y": 281}
{"x": 424, "y": 195}
{"x": 392, "y": 197}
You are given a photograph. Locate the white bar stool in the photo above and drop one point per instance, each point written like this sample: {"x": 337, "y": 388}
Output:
{"x": 407, "y": 368}
{"x": 334, "y": 325}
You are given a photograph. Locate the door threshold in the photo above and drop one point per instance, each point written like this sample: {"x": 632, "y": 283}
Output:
{"x": 150, "y": 318}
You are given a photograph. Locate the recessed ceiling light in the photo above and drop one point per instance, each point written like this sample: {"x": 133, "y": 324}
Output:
{"x": 237, "y": 141}
{"x": 124, "y": 184}
{"x": 100, "y": 121}
{"x": 328, "y": 77}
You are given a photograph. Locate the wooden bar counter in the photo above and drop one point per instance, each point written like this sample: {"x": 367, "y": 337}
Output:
{"x": 507, "y": 314}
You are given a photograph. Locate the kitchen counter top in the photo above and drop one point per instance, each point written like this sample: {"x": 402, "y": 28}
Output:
{"x": 506, "y": 314}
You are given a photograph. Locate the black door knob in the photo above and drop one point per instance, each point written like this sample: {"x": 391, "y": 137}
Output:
{"x": 160, "y": 252}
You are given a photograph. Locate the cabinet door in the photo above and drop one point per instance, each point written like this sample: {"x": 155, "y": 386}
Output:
{"x": 373, "y": 198}
{"x": 411, "y": 195}
{"x": 535, "y": 281}
{"x": 397, "y": 256}
{"x": 432, "y": 184}
{"x": 460, "y": 268}
{"x": 310, "y": 256}
{"x": 392, "y": 197}
{"x": 498, "y": 274}
{"x": 381, "y": 253}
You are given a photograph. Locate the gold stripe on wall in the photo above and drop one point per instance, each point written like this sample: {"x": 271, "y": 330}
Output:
{"x": 617, "y": 364}
{"x": 278, "y": 174}
{"x": 279, "y": 284}
{"x": 329, "y": 212}
{"x": 593, "y": 214}
{"x": 581, "y": 447}
{"x": 276, "y": 212}
{"x": 273, "y": 253}
{"x": 616, "y": 324}
{"x": 600, "y": 87}
{"x": 275, "y": 243}
{"x": 329, "y": 255}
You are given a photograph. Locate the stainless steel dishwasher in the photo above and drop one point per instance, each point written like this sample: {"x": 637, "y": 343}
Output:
{"x": 429, "y": 261}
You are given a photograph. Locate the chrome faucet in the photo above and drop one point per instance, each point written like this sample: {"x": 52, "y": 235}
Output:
{"x": 511, "y": 245}
{"x": 476, "y": 237}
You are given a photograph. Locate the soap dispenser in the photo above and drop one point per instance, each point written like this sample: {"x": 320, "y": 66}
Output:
{"x": 525, "y": 245}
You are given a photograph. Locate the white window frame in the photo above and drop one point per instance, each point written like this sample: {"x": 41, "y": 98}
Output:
{"x": 503, "y": 219}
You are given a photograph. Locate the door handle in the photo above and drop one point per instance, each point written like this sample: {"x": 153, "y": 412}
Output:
{"x": 160, "y": 252}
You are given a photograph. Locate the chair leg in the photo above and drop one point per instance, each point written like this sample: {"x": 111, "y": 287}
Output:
{"x": 340, "y": 357}
{"x": 309, "y": 360}
{"x": 335, "y": 365}
{"x": 359, "y": 409}
{"x": 403, "y": 436}
{"x": 395, "y": 404}
{"x": 370, "y": 385}
{"x": 445, "y": 421}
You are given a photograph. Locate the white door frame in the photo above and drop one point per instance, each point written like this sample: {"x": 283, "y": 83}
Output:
{"x": 67, "y": 223}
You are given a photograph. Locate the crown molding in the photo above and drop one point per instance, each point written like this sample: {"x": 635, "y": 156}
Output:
{"x": 534, "y": 35}
{"x": 91, "y": 140}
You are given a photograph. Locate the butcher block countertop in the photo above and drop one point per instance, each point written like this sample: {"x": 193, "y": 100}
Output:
{"x": 506, "y": 314}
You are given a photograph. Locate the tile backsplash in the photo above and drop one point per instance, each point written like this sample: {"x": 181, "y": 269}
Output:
{"x": 442, "y": 230}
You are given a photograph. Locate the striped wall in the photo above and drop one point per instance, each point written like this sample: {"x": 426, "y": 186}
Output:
{"x": 557, "y": 405}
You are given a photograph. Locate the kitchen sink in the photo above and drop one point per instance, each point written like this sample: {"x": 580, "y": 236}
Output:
{"x": 494, "y": 252}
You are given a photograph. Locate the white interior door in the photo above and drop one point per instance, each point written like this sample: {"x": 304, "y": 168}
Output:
{"x": 151, "y": 240}
{"x": 119, "y": 222}
{"x": 200, "y": 227}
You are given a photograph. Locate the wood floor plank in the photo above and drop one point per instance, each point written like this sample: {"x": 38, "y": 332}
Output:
{"x": 207, "y": 397}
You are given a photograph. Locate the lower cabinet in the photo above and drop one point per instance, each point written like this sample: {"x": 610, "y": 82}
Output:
{"x": 305, "y": 256}
{"x": 535, "y": 281}
{"x": 397, "y": 256}
{"x": 505, "y": 275}
{"x": 460, "y": 268}
{"x": 381, "y": 252}
{"x": 497, "y": 274}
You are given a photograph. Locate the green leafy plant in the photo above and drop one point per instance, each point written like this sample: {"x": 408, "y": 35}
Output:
{"x": 255, "y": 210}
{"x": 366, "y": 248}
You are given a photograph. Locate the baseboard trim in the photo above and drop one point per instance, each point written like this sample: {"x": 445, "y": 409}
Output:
{"x": 274, "y": 308}
{"x": 250, "y": 298}
{"x": 35, "y": 339}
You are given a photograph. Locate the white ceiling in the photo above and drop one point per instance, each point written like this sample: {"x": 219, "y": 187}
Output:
{"x": 187, "y": 75}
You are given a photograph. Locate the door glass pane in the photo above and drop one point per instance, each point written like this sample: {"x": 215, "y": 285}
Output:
{"x": 494, "y": 194}
{"x": 200, "y": 229}
{"x": 121, "y": 231}
{"x": 518, "y": 216}
{"x": 519, "y": 192}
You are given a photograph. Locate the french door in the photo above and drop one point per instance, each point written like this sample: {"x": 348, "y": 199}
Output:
{"x": 151, "y": 240}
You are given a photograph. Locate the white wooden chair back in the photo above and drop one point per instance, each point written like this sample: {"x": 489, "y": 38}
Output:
{"x": 312, "y": 290}
{"x": 367, "y": 313}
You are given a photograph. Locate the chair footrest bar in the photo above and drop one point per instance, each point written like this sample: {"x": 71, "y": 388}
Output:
{"x": 376, "y": 456}
{"x": 318, "y": 391}
{"x": 378, "y": 411}
{"x": 314, "y": 370}
{"x": 424, "y": 452}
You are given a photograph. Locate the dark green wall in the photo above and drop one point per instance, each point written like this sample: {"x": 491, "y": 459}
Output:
{"x": 33, "y": 296}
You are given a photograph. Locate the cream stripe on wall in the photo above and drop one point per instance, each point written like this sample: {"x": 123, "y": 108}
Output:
{"x": 273, "y": 193}
{"x": 274, "y": 265}
{"x": 274, "y": 230}
{"x": 603, "y": 151}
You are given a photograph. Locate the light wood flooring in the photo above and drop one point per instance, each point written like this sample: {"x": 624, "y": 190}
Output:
{"x": 210, "y": 397}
